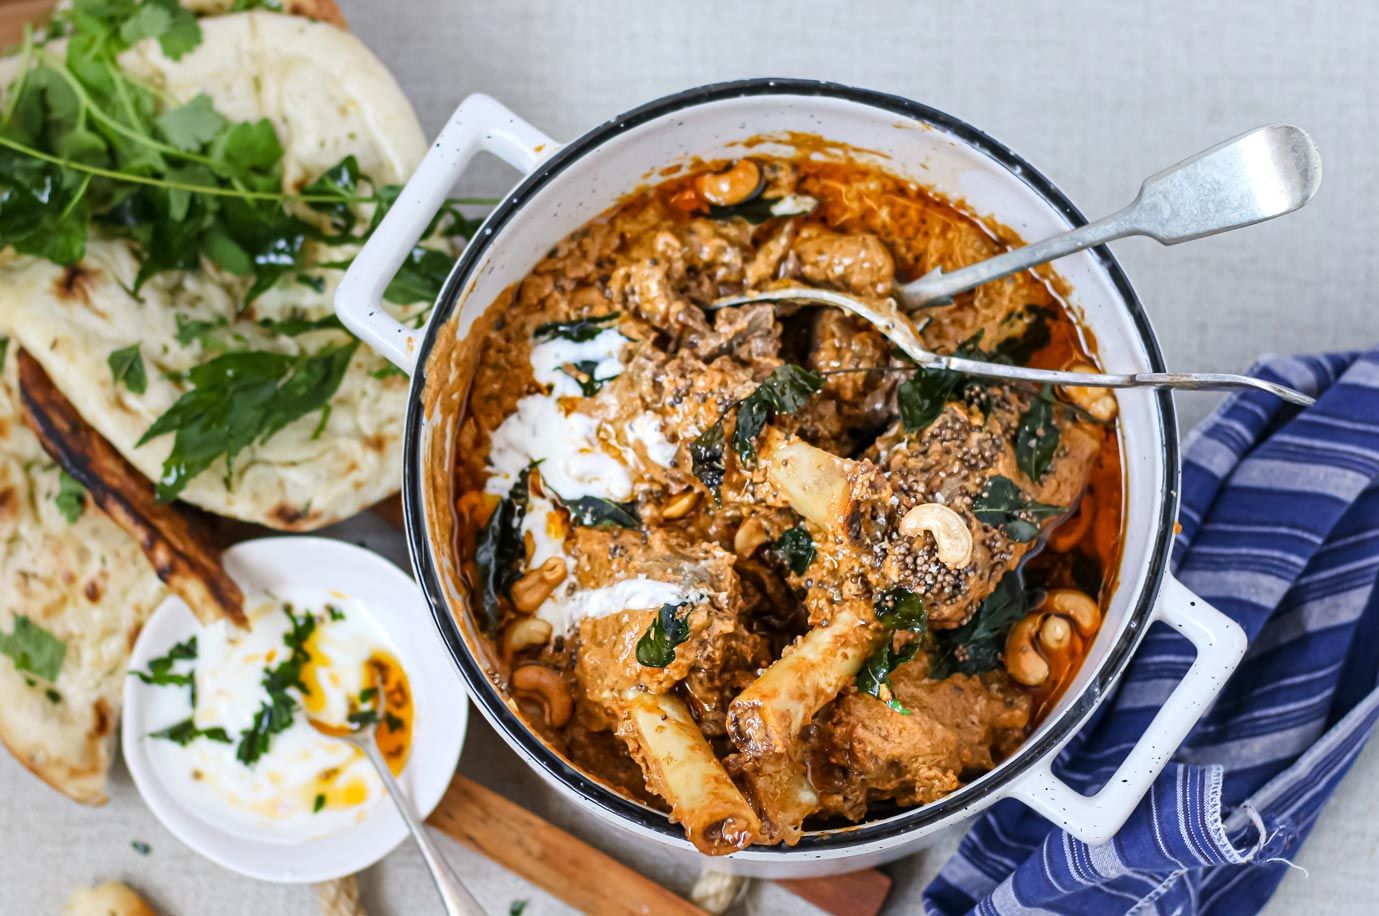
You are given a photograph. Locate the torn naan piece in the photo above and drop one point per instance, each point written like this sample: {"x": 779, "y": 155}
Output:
{"x": 178, "y": 547}
{"x": 327, "y": 98}
{"x": 74, "y": 593}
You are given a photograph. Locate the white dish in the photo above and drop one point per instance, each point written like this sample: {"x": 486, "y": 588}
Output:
{"x": 398, "y": 609}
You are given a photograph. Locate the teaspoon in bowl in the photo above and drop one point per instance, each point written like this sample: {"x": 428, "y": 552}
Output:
{"x": 456, "y": 898}
{"x": 1259, "y": 175}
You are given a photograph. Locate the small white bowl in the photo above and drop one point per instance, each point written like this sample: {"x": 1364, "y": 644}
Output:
{"x": 441, "y": 712}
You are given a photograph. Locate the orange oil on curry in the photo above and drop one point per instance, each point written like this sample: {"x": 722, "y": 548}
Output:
{"x": 393, "y": 735}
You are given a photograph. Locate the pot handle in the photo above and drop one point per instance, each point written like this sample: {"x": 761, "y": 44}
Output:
{"x": 480, "y": 124}
{"x": 1094, "y": 819}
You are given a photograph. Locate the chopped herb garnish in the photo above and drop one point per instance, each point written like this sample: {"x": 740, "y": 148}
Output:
{"x": 1036, "y": 438}
{"x": 317, "y": 805}
{"x": 127, "y": 366}
{"x": 297, "y": 325}
{"x": 367, "y": 695}
{"x": 500, "y": 551}
{"x": 517, "y": 907}
{"x": 275, "y": 715}
{"x": 33, "y": 649}
{"x": 656, "y": 648}
{"x": 393, "y": 723}
{"x": 976, "y": 646}
{"x": 898, "y": 610}
{"x": 185, "y": 732}
{"x": 160, "y": 673}
{"x": 334, "y": 613}
{"x": 140, "y": 847}
{"x": 597, "y": 512}
{"x": 793, "y": 550}
{"x": 239, "y": 399}
{"x": 579, "y": 330}
{"x": 71, "y": 497}
{"x": 53, "y": 696}
{"x": 1002, "y": 504}
{"x": 361, "y": 717}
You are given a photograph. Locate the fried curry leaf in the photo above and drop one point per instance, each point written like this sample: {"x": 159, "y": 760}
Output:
{"x": 597, "y": 512}
{"x": 582, "y": 372}
{"x": 1018, "y": 349}
{"x": 788, "y": 388}
{"x": 758, "y": 208}
{"x": 185, "y": 732}
{"x": 1036, "y": 437}
{"x": 500, "y": 552}
{"x": 922, "y": 396}
{"x": 127, "y": 365}
{"x": 1002, "y": 504}
{"x": 238, "y": 399}
{"x": 160, "y": 673}
{"x": 71, "y": 497}
{"x": 707, "y": 458}
{"x": 901, "y": 609}
{"x": 976, "y": 646}
{"x": 656, "y": 648}
{"x": 578, "y": 331}
{"x": 874, "y": 677}
{"x": 793, "y": 550}
{"x": 33, "y": 649}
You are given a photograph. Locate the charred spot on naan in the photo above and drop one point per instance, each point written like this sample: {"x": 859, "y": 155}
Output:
{"x": 181, "y": 550}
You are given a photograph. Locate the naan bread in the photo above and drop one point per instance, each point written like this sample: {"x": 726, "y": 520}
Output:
{"x": 109, "y": 898}
{"x": 328, "y": 97}
{"x": 86, "y": 583}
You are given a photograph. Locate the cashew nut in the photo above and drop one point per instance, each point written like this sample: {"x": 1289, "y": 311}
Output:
{"x": 730, "y": 186}
{"x": 1099, "y": 402}
{"x": 681, "y": 505}
{"x": 1022, "y": 660}
{"x": 536, "y": 585}
{"x": 750, "y": 535}
{"x": 1055, "y": 633}
{"x": 527, "y": 633}
{"x": 1076, "y": 605}
{"x": 952, "y": 537}
{"x": 545, "y": 685}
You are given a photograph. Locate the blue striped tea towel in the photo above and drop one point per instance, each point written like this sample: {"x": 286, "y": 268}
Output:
{"x": 1280, "y": 530}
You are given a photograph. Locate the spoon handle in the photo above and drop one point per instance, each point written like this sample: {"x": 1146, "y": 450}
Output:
{"x": 1183, "y": 381}
{"x": 458, "y": 901}
{"x": 1258, "y": 175}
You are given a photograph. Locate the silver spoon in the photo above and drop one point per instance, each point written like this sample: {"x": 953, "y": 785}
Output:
{"x": 1261, "y": 174}
{"x": 456, "y": 898}
{"x": 886, "y": 318}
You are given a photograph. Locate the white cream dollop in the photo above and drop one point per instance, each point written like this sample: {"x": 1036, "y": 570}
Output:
{"x": 568, "y": 606}
{"x": 548, "y": 357}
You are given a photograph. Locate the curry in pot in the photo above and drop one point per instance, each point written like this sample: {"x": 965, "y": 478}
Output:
{"x": 750, "y": 565}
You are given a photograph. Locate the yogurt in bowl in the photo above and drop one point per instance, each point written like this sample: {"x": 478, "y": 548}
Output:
{"x": 223, "y": 729}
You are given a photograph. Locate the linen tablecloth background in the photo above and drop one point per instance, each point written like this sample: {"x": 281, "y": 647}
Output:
{"x": 1096, "y": 95}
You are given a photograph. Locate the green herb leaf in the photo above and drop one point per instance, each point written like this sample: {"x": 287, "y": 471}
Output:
{"x": 203, "y": 331}
{"x": 33, "y": 649}
{"x": 193, "y": 125}
{"x": 793, "y": 550}
{"x": 392, "y": 723}
{"x": 517, "y": 907}
{"x": 340, "y": 181}
{"x": 368, "y": 695}
{"x": 160, "y": 673}
{"x": 275, "y": 715}
{"x": 596, "y": 512}
{"x": 1002, "y": 504}
{"x": 140, "y": 847}
{"x": 500, "y": 551}
{"x": 420, "y": 278}
{"x": 70, "y": 498}
{"x": 1036, "y": 438}
{"x": 334, "y": 613}
{"x": 185, "y": 732}
{"x": 788, "y": 388}
{"x": 362, "y": 717}
{"x": 976, "y": 646}
{"x": 239, "y": 399}
{"x": 656, "y": 648}
{"x": 578, "y": 330}
{"x": 317, "y": 805}
{"x": 127, "y": 365}
{"x": 296, "y": 325}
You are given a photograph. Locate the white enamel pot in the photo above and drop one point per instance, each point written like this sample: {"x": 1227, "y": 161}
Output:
{"x": 563, "y": 187}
